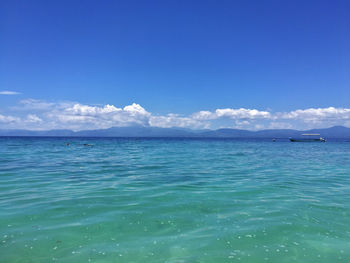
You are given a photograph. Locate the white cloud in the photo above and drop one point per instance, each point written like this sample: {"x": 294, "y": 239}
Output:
{"x": 80, "y": 116}
{"x": 135, "y": 109}
{"x": 204, "y": 115}
{"x": 242, "y": 113}
{"x": 232, "y": 114}
{"x": 85, "y": 110}
{"x": 318, "y": 114}
{"x": 32, "y": 104}
{"x": 39, "y": 114}
{"x": 8, "y": 119}
{"x": 8, "y": 92}
{"x": 95, "y": 117}
{"x": 32, "y": 118}
{"x": 173, "y": 120}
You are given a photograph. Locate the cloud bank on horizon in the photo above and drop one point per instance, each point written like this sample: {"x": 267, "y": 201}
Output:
{"x": 43, "y": 115}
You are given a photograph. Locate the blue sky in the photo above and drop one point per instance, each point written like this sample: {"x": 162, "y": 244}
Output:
{"x": 175, "y": 59}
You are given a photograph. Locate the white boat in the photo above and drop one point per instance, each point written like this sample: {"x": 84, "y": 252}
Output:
{"x": 308, "y": 137}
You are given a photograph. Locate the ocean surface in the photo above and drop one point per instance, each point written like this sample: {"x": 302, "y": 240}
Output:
{"x": 173, "y": 200}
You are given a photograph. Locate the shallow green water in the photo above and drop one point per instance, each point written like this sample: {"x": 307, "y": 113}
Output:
{"x": 168, "y": 200}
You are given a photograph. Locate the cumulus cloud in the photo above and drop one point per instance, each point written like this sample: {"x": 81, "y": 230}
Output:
{"x": 32, "y": 118}
{"x": 135, "y": 109}
{"x": 242, "y": 113}
{"x": 204, "y": 115}
{"x": 232, "y": 114}
{"x": 86, "y": 110}
{"x": 78, "y": 116}
{"x": 105, "y": 116}
{"x": 8, "y": 92}
{"x": 39, "y": 114}
{"x": 8, "y": 119}
{"x": 318, "y": 114}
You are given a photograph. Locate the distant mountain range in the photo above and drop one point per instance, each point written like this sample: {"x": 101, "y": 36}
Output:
{"x": 333, "y": 132}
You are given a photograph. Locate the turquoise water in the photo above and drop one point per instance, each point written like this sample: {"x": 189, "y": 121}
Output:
{"x": 172, "y": 200}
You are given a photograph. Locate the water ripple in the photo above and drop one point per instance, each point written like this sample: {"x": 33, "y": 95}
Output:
{"x": 168, "y": 200}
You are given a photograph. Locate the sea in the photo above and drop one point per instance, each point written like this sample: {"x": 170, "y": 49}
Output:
{"x": 173, "y": 200}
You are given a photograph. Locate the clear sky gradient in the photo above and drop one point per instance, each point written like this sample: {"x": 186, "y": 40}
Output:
{"x": 177, "y": 56}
